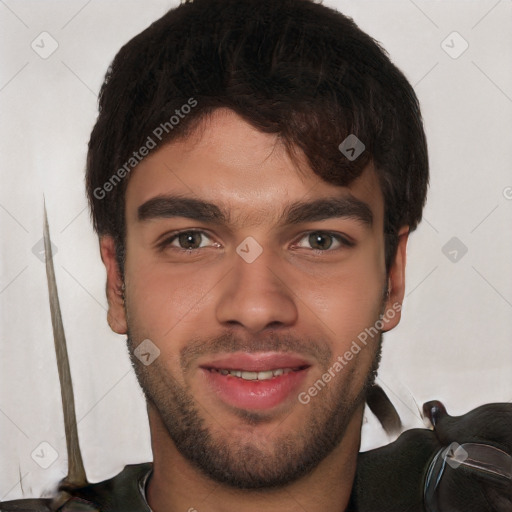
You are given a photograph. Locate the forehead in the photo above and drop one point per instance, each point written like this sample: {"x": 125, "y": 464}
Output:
{"x": 247, "y": 173}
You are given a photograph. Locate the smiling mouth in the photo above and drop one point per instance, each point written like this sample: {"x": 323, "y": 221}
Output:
{"x": 255, "y": 386}
{"x": 260, "y": 375}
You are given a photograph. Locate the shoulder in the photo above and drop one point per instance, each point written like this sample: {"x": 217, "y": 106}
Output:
{"x": 119, "y": 493}
{"x": 29, "y": 505}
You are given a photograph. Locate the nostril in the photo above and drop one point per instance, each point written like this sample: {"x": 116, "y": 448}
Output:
{"x": 434, "y": 411}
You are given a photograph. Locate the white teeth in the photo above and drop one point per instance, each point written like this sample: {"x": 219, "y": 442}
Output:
{"x": 264, "y": 375}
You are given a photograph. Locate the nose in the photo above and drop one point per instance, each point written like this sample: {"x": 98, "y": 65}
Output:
{"x": 256, "y": 296}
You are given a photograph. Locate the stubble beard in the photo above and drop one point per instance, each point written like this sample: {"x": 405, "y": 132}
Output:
{"x": 244, "y": 462}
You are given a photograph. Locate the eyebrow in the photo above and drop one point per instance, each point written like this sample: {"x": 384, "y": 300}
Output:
{"x": 168, "y": 206}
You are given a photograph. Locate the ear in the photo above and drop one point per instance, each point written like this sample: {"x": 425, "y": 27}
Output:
{"x": 116, "y": 315}
{"x": 396, "y": 283}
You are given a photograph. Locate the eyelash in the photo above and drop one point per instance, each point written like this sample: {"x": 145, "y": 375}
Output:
{"x": 343, "y": 241}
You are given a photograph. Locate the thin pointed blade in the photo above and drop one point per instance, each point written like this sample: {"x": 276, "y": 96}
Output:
{"x": 76, "y": 471}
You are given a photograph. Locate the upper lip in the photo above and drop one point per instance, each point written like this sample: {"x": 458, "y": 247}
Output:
{"x": 256, "y": 362}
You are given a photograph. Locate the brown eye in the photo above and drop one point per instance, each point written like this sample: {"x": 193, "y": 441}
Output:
{"x": 190, "y": 239}
{"x": 324, "y": 241}
{"x": 320, "y": 241}
{"x": 187, "y": 241}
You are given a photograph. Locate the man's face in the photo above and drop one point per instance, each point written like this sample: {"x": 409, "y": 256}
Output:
{"x": 253, "y": 302}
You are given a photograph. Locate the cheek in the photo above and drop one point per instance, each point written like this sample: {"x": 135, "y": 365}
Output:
{"x": 351, "y": 313}
{"x": 164, "y": 299}
{"x": 350, "y": 294}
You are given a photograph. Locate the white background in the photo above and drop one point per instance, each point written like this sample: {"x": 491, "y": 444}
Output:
{"x": 454, "y": 341}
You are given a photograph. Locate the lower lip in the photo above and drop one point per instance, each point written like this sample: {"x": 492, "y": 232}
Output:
{"x": 255, "y": 394}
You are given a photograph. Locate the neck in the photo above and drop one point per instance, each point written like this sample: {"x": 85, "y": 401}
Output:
{"x": 176, "y": 485}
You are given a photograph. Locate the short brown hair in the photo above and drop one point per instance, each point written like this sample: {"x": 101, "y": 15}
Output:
{"x": 291, "y": 67}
